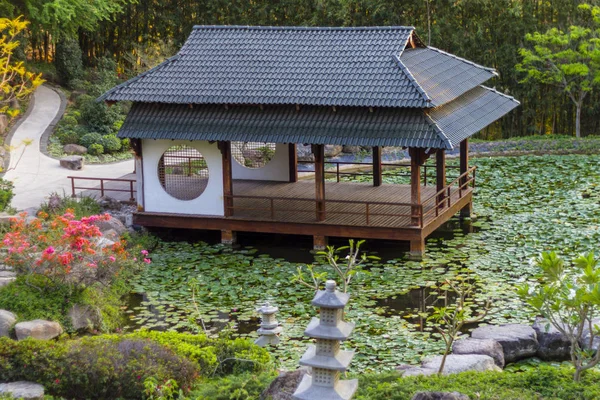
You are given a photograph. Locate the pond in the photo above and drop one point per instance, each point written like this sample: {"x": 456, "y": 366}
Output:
{"x": 524, "y": 205}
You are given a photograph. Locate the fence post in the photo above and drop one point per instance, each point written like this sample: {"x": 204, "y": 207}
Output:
{"x": 338, "y": 171}
{"x": 101, "y": 187}
{"x": 72, "y": 186}
{"x": 131, "y": 198}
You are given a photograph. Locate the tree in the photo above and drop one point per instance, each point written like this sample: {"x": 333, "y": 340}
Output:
{"x": 569, "y": 60}
{"x": 569, "y": 298}
{"x": 16, "y": 83}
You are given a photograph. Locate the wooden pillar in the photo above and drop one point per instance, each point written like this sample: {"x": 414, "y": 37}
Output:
{"x": 417, "y": 158}
{"x": 225, "y": 148}
{"x": 228, "y": 237}
{"x": 319, "y": 152}
{"x": 320, "y": 242}
{"x": 440, "y": 175}
{"x": 377, "y": 171}
{"x": 136, "y": 145}
{"x": 293, "y": 162}
{"x": 417, "y": 249}
{"x": 465, "y": 212}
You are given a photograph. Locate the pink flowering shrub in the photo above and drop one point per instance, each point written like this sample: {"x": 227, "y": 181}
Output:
{"x": 65, "y": 250}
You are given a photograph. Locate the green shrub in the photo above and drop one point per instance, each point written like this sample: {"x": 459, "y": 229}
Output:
{"x": 68, "y": 134}
{"x": 82, "y": 206}
{"x": 212, "y": 356}
{"x": 69, "y": 120}
{"x": 111, "y": 143}
{"x": 96, "y": 149}
{"x": 90, "y": 138}
{"x": 97, "y": 115}
{"x": 101, "y": 367}
{"x": 543, "y": 382}
{"x": 6, "y": 194}
{"x": 240, "y": 387}
{"x": 68, "y": 60}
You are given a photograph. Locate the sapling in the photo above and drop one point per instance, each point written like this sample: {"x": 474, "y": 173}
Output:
{"x": 450, "y": 319}
{"x": 569, "y": 298}
{"x": 344, "y": 268}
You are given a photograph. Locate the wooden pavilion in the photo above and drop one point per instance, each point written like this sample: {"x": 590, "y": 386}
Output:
{"x": 215, "y": 131}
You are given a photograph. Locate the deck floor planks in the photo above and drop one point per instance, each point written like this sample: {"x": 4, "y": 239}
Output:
{"x": 298, "y": 198}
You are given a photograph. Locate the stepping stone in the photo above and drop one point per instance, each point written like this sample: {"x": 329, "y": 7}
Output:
{"x": 488, "y": 347}
{"x": 517, "y": 341}
{"x": 23, "y": 390}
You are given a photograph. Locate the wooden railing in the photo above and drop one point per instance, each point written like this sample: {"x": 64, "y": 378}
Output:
{"x": 333, "y": 167}
{"x": 103, "y": 189}
{"x": 443, "y": 198}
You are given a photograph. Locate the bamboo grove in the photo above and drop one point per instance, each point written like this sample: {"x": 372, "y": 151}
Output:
{"x": 138, "y": 34}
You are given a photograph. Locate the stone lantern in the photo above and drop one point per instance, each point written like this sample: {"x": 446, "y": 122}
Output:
{"x": 326, "y": 360}
{"x": 269, "y": 327}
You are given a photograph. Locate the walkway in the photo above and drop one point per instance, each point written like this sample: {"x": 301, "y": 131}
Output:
{"x": 36, "y": 175}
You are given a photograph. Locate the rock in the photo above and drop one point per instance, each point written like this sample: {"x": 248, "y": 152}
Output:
{"x": 38, "y": 329}
{"x": 23, "y": 390}
{"x": 304, "y": 152}
{"x": 5, "y": 218}
{"x": 351, "y": 149}
{"x": 553, "y": 345}
{"x": 456, "y": 363}
{"x": 415, "y": 371}
{"x": 585, "y": 337}
{"x": 74, "y": 149}
{"x": 6, "y": 277}
{"x": 2, "y": 151}
{"x": 72, "y": 162}
{"x": 104, "y": 242}
{"x": 284, "y": 385}
{"x": 108, "y": 203}
{"x": 332, "y": 150}
{"x": 83, "y": 317}
{"x": 113, "y": 224}
{"x": 517, "y": 341}
{"x": 440, "y": 396}
{"x": 7, "y": 320}
{"x": 3, "y": 123}
{"x": 488, "y": 347}
{"x": 32, "y": 211}
{"x": 111, "y": 234}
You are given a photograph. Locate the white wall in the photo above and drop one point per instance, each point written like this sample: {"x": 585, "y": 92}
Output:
{"x": 275, "y": 170}
{"x": 156, "y": 199}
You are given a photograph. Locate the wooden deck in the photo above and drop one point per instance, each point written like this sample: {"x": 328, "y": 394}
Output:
{"x": 347, "y": 204}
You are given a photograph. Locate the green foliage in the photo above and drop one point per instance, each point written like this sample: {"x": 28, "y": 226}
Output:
{"x": 96, "y": 149}
{"x": 111, "y": 143}
{"x": 232, "y": 387}
{"x": 541, "y": 383}
{"x": 91, "y": 138}
{"x": 569, "y": 298}
{"x": 6, "y": 194}
{"x": 101, "y": 367}
{"x": 98, "y": 116}
{"x": 82, "y": 206}
{"x": 68, "y": 60}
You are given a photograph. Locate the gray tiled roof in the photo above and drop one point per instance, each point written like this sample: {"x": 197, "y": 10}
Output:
{"x": 443, "y": 76}
{"x": 282, "y": 65}
{"x": 442, "y": 127}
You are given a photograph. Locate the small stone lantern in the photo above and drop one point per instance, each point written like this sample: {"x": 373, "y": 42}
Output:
{"x": 326, "y": 360}
{"x": 269, "y": 327}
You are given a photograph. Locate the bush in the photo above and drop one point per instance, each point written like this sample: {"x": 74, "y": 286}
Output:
{"x": 68, "y": 61}
{"x": 82, "y": 206}
{"x": 91, "y": 138}
{"x": 111, "y": 143}
{"x": 6, "y": 194}
{"x": 543, "y": 382}
{"x": 101, "y": 367}
{"x": 96, "y": 149}
{"x": 67, "y": 134}
{"x": 244, "y": 386}
{"x": 98, "y": 116}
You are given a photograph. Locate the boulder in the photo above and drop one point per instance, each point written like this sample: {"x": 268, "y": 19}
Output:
{"x": 83, "y": 317}
{"x": 23, "y": 390}
{"x": 72, "y": 162}
{"x": 38, "y": 329}
{"x": 517, "y": 341}
{"x": 6, "y": 277}
{"x": 284, "y": 385}
{"x": 456, "y": 363}
{"x": 113, "y": 224}
{"x": 108, "y": 203}
{"x": 440, "y": 396}
{"x": 5, "y": 218}
{"x": 332, "y": 150}
{"x": 488, "y": 347}
{"x": 304, "y": 152}
{"x": 72, "y": 148}
{"x": 104, "y": 242}
{"x": 553, "y": 345}
{"x": 351, "y": 149}
{"x": 7, "y": 320}
{"x": 415, "y": 371}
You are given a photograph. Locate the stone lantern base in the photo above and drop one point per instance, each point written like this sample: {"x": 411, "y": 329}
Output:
{"x": 342, "y": 390}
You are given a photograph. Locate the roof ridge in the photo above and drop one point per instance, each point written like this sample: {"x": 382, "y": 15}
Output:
{"x": 439, "y": 131}
{"x": 304, "y": 28}
{"x": 500, "y": 93}
{"x": 412, "y": 78}
{"x": 138, "y": 77}
{"x": 492, "y": 70}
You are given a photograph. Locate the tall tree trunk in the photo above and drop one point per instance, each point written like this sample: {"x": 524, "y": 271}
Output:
{"x": 578, "y": 121}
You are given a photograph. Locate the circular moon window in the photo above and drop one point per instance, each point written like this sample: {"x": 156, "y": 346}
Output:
{"x": 183, "y": 172}
{"x": 253, "y": 154}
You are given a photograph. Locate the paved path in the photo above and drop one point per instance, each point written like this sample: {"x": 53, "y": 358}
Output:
{"x": 36, "y": 175}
